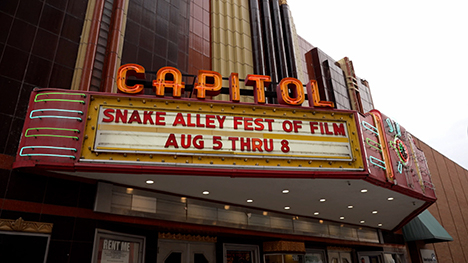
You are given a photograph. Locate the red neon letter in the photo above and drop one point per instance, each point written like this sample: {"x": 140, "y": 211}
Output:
{"x": 204, "y": 88}
{"x": 234, "y": 90}
{"x": 259, "y": 82}
{"x": 163, "y": 81}
{"x": 282, "y": 92}
{"x": 314, "y": 96}
{"x": 126, "y": 71}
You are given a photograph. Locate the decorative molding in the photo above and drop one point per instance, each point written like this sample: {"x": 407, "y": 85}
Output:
{"x": 20, "y": 225}
{"x": 284, "y": 246}
{"x": 283, "y": 2}
{"x": 187, "y": 237}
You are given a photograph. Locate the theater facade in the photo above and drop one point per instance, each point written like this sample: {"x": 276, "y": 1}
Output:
{"x": 206, "y": 131}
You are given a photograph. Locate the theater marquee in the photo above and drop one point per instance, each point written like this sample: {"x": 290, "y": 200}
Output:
{"x": 174, "y": 132}
{"x": 137, "y": 133}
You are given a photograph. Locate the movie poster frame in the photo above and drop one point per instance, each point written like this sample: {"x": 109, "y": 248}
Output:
{"x": 101, "y": 233}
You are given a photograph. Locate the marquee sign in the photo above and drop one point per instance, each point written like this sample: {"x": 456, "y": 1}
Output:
{"x": 174, "y": 132}
{"x": 392, "y": 154}
{"x": 129, "y": 132}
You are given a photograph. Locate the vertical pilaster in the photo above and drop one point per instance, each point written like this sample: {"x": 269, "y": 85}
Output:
{"x": 257, "y": 38}
{"x": 269, "y": 44}
{"x": 288, "y": 40}
{"x": 91, "y": 45}
{"x": 280, "y": 52}
{"x": 113, "y": 44}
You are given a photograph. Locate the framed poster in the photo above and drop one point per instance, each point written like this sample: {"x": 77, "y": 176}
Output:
{"x": 114, "y": 247}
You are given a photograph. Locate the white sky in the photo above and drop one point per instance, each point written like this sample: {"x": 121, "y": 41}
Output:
{"x": 414, "y": 55}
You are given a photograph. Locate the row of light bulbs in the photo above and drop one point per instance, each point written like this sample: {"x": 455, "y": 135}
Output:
{"x": 286, "y": 191}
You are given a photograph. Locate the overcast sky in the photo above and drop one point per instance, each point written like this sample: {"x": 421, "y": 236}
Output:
{"x": 414, "y": 55}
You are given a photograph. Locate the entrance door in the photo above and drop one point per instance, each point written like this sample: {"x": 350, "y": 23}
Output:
{"x": 339, "y": 257}
{"x": 173, "y": 251}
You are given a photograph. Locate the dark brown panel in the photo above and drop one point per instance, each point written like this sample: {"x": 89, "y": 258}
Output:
{"x": 51, "y": 19}
{"x": 9, "y": 98}
{"x": 30, "y": 11}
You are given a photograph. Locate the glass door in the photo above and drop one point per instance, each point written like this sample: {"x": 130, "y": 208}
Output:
{"x": 314, "y": 256}
{"x": 370, "y": 257}
{"x": 339, "y": 257}
{"x": 173, "y": 251}
{"x": 284, "y": 258}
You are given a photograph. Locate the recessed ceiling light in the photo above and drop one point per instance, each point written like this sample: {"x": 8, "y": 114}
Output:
{"x": 379, "y": 224}
{"x": 321, "y": 221}
{"x": 249, "y": 200}
{"x": 287, "y": 207}
{"x": 149, "y": 181}
{"x": 226, "y": 207}
{"x": 285, "y": 191}
{"x": 322, "y": 200}
{"x": 316, "y": 213}
{"x": 129, "y": 190}
{"x": 362, "y": 221}
{"x": 374, "y": 212}
{"x": 206, "y": 192}
{"x": 390, "y": 199}
{"x": 183, "y": 199}
{"x": 350, "y": 207}
{"x": 341, "y": 217}
{"x": 363, "y": 190}
{"x": 265, "y": 213}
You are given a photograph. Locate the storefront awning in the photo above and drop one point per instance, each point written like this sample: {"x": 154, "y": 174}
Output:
{"x": 425, "y": 227}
